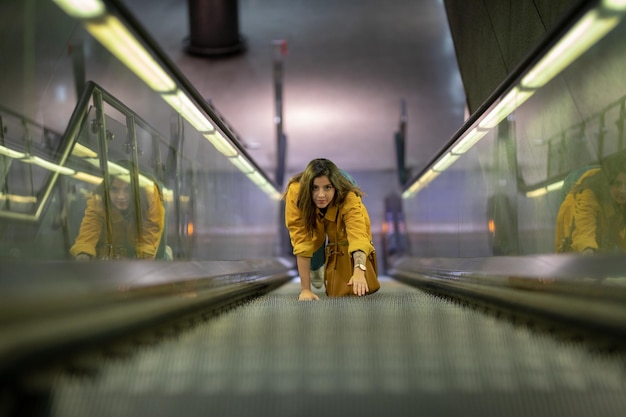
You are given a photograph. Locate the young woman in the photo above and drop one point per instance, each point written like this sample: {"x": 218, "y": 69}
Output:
{"x": 321, "y": 205}
{"x": 131, "y": 235}
{"x": 592, "y": 218}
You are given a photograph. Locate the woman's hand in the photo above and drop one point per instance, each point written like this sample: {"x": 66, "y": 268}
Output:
{"x": 359, "y": 283}
{"x": 307, "y": 295}
{"x": 588, "y": 251}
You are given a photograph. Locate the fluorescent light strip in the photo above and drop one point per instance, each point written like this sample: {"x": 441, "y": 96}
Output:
{"x": 19, "y": 199}
{"x": 539, "y": 192}
{"x": 414, "y": 189}
{"x": 506, "y": 106}
{"x": 121, "y": 43}
{"x": 555, "y": 186}
{"x": 11, "y": 153}
{"x": 422, "y": 182}
{"x": 587, "y": 32}
{"x": 445, "y": 162}
{"x": 257, "y": 178}
{"x": 183, "y": 105}
{"x": 429, "y": 176}
{"x": 615, "y": 5}
{"x": 468, "y": 140}
{"x": 270, "y": 191}
{"x": 50, "y": 166}
{"x": 221, "y": 144}
{"x": 20, "y": 156}
{"x": 91, "y": 179}
{"x": 35, "y": 160}
{"x": 242, "y": 164}
{"x": 82, "y": 151}
{"x": 82, "y": 9}
{"x": 113, "y": 168}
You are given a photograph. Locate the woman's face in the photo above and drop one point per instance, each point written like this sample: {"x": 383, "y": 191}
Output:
{"x": 618, "y": 188}
{"x": 323, "y": 192}
{"x": 119, "y": 192}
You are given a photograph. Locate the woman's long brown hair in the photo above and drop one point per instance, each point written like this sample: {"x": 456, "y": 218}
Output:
{"x": 315, "y": 169}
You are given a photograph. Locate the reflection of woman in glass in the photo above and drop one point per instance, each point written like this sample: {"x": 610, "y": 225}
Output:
{"x": 131, "y": 236}
{"x": 592, "y": 218}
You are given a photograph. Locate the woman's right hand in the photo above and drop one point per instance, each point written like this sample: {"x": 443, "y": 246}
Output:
{"x": 83, "y": 257}
{"x": 588, "y": 251}
{"x": 307, "y": 295}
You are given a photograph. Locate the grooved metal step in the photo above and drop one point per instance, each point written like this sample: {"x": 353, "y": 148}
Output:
{"x": 400, "y": 351}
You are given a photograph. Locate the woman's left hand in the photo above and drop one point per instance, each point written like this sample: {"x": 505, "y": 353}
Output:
{"x": 359, "y": 283}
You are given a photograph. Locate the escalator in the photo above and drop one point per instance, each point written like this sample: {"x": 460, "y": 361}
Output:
{"x": 402, "y": 351}
{"x": 219, "y": 331}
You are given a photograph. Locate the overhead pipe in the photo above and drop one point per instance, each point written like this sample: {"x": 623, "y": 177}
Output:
{"x": 214, "y": 28}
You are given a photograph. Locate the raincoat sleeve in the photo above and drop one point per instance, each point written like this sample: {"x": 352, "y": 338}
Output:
{"x": 153, "y": 223}
{"x": 586, "y": 213}
{"x": 90, "y": 228}
{"x": 564, "y": 222}
{"x": 357, "y": 224}
{"x": 303, "y": 243}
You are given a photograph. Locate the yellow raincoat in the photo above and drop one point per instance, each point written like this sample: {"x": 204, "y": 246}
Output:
{"x": 92, "y": 236}
{"x": 582, "y": 222}
{"x": 346, "y": 226}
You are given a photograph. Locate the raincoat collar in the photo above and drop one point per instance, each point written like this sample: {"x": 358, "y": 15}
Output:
{"x": 331, "y": 213}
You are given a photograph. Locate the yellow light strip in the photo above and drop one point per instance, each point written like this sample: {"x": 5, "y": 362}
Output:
{"x": 121, "y": 43}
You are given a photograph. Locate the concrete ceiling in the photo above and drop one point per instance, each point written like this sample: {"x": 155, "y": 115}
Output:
{"x": 348, "y": 66}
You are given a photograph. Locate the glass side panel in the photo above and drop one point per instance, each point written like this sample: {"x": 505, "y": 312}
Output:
{"x": 503, "y": 195}
{"x": 82, "y": 106}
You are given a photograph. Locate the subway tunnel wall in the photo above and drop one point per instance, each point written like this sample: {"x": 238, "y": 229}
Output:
{"x": 492, "y": 37}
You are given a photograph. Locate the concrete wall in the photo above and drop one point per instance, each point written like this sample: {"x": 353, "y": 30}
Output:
{"x": 491, "y": 37}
